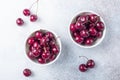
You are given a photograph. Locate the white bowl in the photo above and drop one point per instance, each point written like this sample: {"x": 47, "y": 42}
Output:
{"x": 59, "y": 44}
{"x": 98, "y": 41}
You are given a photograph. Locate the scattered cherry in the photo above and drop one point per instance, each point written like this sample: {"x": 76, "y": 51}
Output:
{"x": 83, "y": 67}
{"x": 27, "y": 72}
{"x": 26, "y": 12}
{"x": 33, "y": 18}
{"x": 90, "y": 63}
{"x": 19, "y": 21}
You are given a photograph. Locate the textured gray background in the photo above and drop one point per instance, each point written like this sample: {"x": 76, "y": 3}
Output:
{"x": 57, "y": 15}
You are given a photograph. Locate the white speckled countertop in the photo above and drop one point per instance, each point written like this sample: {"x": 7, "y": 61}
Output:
{"x": 57, "y": 15}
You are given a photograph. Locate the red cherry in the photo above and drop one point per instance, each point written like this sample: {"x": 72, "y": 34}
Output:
{"x": 99, "y": 34}
{"x": 30, "y": 40}
{"x": 26, "y": 12}
{"x": 45, "y": 55}
{"x": 90, "y": 63}
{"x": 27, "y": 72}
{"x": 41, "y": 61}
{"x": 72, "y": 27}
{"x": 79, "y": 39}
{"x": 76, "y": 34}
{"x": 36, "y": 45}
{"x": 30, "y": 55}
{"x": 100, "y": 26}
{"x": 52, "y": 57}
{"x": 89, "y": 41}
{"x": 19, "y": 21}
{"x": 36, "y": 53}
{"x": 33, "y": 18}
{"x": 83, "y": 68}
{"x": 79, "y": 25}
{"x": 38, "y": 34}
{"x": 93, "y": 31}
{"x": 83, "y": 18}
{"x": 49, "y": 35}
{"x": 55, "y": 50}
{"x": 93, "y": 18}
{"x": 84, "y": 33}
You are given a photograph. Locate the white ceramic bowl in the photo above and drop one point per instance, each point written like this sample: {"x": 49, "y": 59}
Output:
{"x": 98, "y": 41}
{"x": 58, "y": 41}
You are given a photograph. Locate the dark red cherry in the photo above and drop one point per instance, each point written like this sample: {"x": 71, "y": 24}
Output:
{"x": 41, "y": 61}
{"x": 30, "y": 40}
{"x": 36, "y": 53}
{"x": 72, "y": 27}
{"x": 30, "y": 55}
{"x": 84, "y": 33}
{"x": 55, "y": 50}
{"x": 83, "y": 18}
{"x": 79, "y": 39}
{"x": 93, "y": 18}
{"x": 38, "y": 34}
{"x": 93, "y": 31}
{"x": 26, "y": 12}
{"x": 33, "y": 18}
{"x": 52, "y": 57}
{"x": 83, "y": 68}
{"x": 27, "y": 72}
{"x": 100, "y": 26}
{"x": 90, "y": 63}
{"x": 89, "y": 41}
{"x": 19, "y": 22}
{"x": 76, "y": 34}
{"x": 99, "y": 34}
{"x": 36, "y": 45}
{"x": 49, "y": 35}
{"x": 79, "y": 25}
{"x": 46, "y": 55}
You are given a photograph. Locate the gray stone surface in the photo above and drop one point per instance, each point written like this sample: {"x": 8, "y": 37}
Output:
{"x": 57, "y": 15}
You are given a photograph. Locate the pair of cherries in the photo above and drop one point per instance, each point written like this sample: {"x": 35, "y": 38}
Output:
{"x": 26, "y": 12}
{"x": 84, "y": 67}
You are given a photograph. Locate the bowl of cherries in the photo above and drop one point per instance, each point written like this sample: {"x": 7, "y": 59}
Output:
{"x": 43, "y": 47}
{"x": 87, "y": 29}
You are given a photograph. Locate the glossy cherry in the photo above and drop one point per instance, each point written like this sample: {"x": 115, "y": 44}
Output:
{"x": 90, "y": 63}
{"x": 30, "y": 55}
{"x": 84, "y": 33}
{"x": 33, "y": 18}
{"x": 26, "y": 12}
{"x": 41, "y": 61}
{"x": 19, "y": 22}
{"x": 72, "y": 27}
{"x": 79, "y": 25}
{"x": 83, "y": 18}
{"x": 93, "y": 18}
{"x": 46, "y": 55}
{"x": 31, "y": 40}
{"x": 38, "y": 34}
{"x": 89, "y": 41}
{"x": 79, "y": 39}
{"x": 93, "y": 31}
{"x": 55, "y": 49}
{"x": 27, "y": 72}
{"x": 100, "y": 26}
{"x": 82, "y": 67}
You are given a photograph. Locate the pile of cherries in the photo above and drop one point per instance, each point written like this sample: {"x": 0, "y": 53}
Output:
{"x": 86, "y": 29}
{"x": 42, "y": 47}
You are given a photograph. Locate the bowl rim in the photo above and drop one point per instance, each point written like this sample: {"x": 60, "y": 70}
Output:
{"x": 58, "y": 41}
{"x": 98, "y": 41}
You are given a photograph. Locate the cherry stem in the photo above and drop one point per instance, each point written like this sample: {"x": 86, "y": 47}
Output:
{"x": 37, "y": 6}
{"x": 83, "y": 57}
